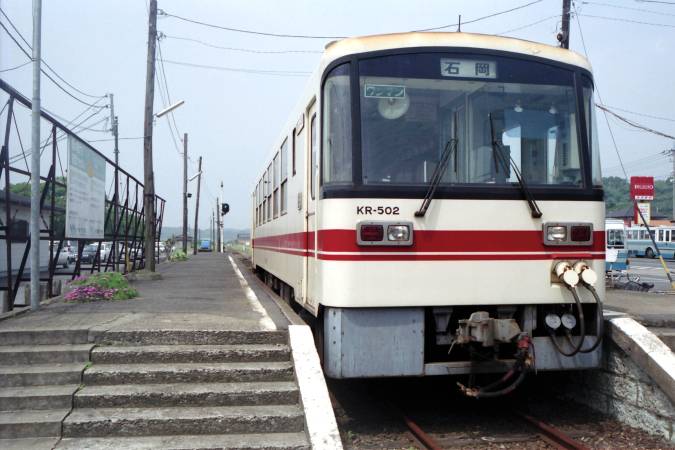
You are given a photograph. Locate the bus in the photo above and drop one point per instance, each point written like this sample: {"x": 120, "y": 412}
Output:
{"x": 639, "y": 242}
{"x": 616, "y": 253}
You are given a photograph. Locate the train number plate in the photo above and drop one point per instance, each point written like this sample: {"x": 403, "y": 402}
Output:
{"x": 378, "y": 210}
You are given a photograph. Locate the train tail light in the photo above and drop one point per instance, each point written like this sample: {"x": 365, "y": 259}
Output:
{"x": 580, "y": 233}
{"x": 372, "y": 233}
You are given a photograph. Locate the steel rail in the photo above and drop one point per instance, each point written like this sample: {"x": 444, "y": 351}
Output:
{"x": 420, "y": 435}
{"x": 552, "y": 434}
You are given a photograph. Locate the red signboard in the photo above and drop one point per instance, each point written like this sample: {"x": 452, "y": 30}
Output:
{"x": 642, "y": 188}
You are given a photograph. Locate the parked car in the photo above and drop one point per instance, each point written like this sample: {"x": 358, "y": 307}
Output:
{"x": 205, "y": 245}
{"x": 65, "y": 257}
{"x": 89, "y": 253}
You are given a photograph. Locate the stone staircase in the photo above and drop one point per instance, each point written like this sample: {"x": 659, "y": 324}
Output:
{"x": 232, "y": 390}
{"x": 40, "y": 371}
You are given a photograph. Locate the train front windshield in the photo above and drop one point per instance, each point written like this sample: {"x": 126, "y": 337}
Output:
{"x": 412, "y": 105}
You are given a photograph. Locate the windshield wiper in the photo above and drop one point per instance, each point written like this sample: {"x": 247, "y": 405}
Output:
{"x": 450, "y": 148}
{"x": 499, "y": 151}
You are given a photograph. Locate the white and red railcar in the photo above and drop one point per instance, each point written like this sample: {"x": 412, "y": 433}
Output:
{"x": 429, "y": 199}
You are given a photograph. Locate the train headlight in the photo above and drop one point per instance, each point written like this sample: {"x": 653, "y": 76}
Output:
{"x": 398, "y": 232}
{"x": 556, "y": 233}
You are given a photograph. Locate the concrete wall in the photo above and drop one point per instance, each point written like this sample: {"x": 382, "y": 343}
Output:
{"x": 631, "y": 392}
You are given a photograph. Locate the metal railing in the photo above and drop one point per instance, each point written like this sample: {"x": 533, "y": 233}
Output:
{"x": 124, "y": 211}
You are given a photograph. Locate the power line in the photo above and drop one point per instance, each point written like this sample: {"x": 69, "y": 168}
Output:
{"x": 620, "y": 19}
{"x": 597, "y": 90}
{"x": 235, "y": 69}
{"x": 668, "y": 119}
{"x": 166, "y": 100}
{"x": 609, "y": 5}
{"x": 235, "y": 49}
{"x": 656, "y": 1}
{"x": 635, "y": 124}
{"x": 161, "y": 12}
{"x": 16, "y": 67}
{"x": 43, "y": 61}
{"x": 482, "y": 18}
{"x": 43, "y": 72}
{"x": 529, "y": 25}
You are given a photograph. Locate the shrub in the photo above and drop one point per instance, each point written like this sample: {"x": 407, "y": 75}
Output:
{"x": 102, "y": 286}
{"x": 178, "y": 255}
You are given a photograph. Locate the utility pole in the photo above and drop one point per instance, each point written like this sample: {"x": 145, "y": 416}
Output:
{"x": 218, "y": 223}
{"x": 148, "y": 174}
{"x": 35, "y": 161}
{"x": 564, "y": 35}
{"x": 220, "y": 212}
{"x": 213, "y": 236}
{"x": 672, "y": 178}
{"x": 116, "y": 151}
{"x": 199, "y": 185}
{"x": 185, "y": 193}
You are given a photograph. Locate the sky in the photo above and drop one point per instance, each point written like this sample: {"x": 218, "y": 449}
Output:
{"x": 233, "y": 117}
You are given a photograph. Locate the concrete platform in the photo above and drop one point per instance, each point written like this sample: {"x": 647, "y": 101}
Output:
{"x": 202, "y": 294}
{"x": 197, "y": 361}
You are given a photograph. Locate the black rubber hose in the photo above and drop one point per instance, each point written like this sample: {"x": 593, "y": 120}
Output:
{"x": 582, "y": 327}
{"x": 510, "y": 388}
{"x": 600, "y": 320}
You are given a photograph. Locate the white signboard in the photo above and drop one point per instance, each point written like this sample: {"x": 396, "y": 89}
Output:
{"x": 85, "y": 200}
{"x": 468, "y": 68}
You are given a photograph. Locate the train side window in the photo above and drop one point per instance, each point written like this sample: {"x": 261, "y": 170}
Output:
{"x": 336, "y": 157}
{"x": 293, "y": 150}
{"x": 284, "y": 176}
{"x": 269, "y": 192}
{"x": 313, "y": 143}
{"x": 660, "y": 239}
{"x": 276, "y": 185}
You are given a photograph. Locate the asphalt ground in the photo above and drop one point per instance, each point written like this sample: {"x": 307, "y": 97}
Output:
{"x": 651, "y": 271}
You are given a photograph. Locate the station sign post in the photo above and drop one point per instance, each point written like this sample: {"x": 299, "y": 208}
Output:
{"x": 642, "y": 192}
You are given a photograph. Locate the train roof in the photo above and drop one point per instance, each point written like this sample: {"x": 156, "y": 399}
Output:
{"x": 364, "y": 44}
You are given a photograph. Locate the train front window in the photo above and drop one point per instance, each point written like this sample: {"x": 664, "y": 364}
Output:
{"x": 412, "y": 105}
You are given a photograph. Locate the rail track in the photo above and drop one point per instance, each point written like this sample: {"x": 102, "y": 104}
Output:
{"x": 548, "y": 433}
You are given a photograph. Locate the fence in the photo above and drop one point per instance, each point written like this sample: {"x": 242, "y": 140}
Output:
{"x": 123, "y": 244}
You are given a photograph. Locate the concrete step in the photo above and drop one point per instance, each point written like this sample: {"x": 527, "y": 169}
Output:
{"x": 37, "y": 397}
{"x": 31, "y": 424}
{"x": 106, "y": 422}
{"x": 269, "y": 441}
{"x": 43, "y": 443}
{"x": 44, "y": 354}
{"x": 43, "y": 337}
{"x": 667, "y": 335}
{"x": 192, "y": 337}
{"x": 189, "y": 353}
{"x": 41, "y": 374}
{"x": 187, "y": 373}
{"x": 184, "y": 394}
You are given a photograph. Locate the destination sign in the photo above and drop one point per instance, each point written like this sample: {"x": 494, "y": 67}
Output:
{"x": 384, "y": 91}
{"x": 468, "y": 68}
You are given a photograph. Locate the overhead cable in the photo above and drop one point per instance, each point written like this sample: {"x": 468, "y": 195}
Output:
{"x": 43, "y": 72}
{"x": 556, "y": 16}
{"x": 236, "y": 49}
{"x": 609, "y": 5}
{"x": 16, "y": 67}
{"x": 161, "y": 12}
{"x": 597, "y": 90}
{"x": 668, "y": 119}
{"x": 499, "y": 13}
{"x": 621, "y": 19}
{"x": 43, "y": 61}
{"x": 238, "y": 69}
{"x": 634, "y": 124}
